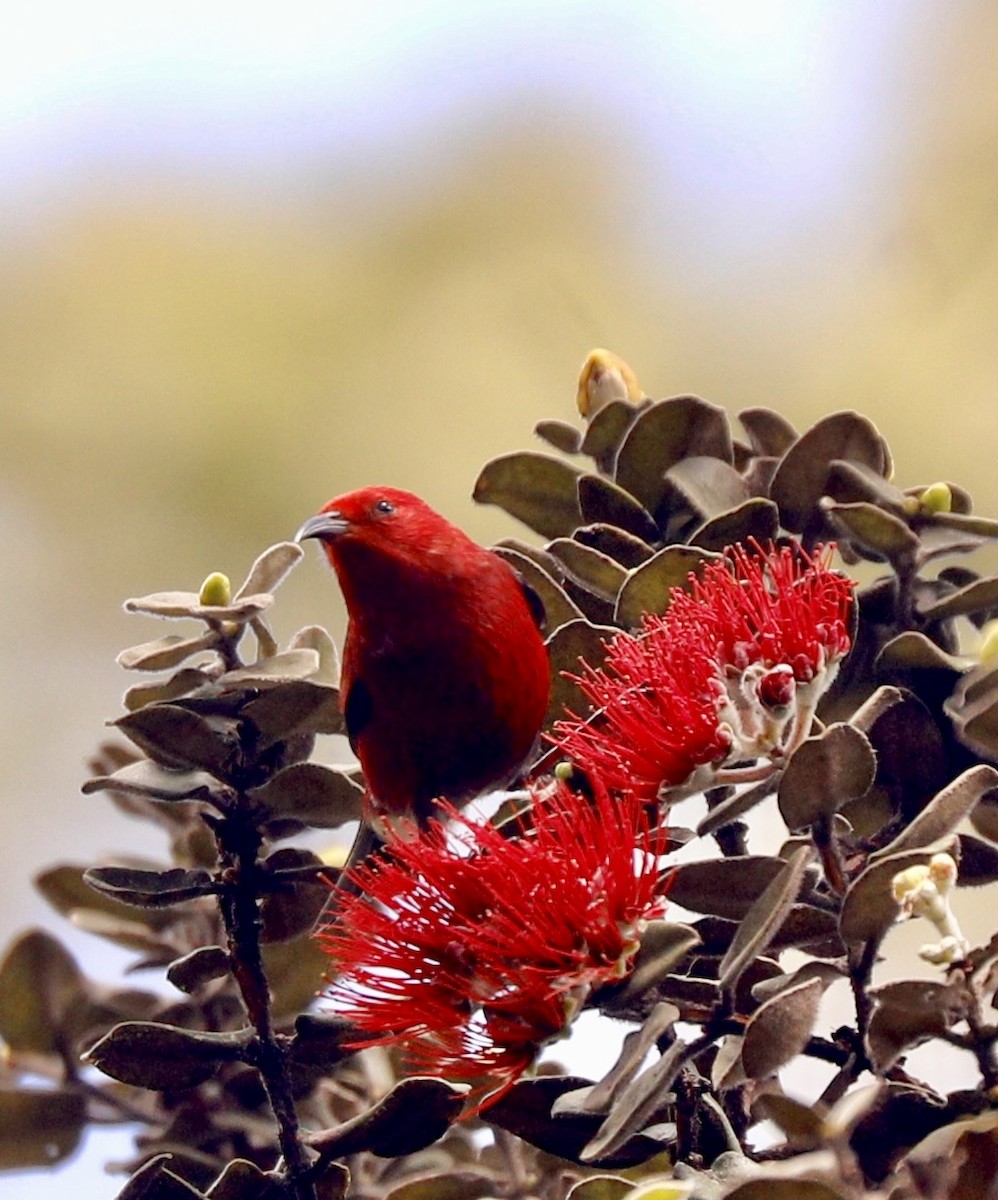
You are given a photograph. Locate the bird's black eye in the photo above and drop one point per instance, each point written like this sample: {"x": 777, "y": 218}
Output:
{"x": 384, "y": 508}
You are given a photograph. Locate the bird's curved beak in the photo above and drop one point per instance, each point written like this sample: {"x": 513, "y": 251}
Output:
{"x": 326, "y": 526}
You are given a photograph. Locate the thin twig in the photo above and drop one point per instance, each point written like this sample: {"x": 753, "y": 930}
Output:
{"x": 239, "y": 845}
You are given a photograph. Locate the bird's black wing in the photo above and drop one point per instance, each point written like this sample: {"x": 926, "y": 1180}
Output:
{"x": 357, "y": 711}
{"x": 534, "y": 602}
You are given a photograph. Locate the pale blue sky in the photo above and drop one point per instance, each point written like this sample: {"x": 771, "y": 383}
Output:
{"x": 752, "y": 107}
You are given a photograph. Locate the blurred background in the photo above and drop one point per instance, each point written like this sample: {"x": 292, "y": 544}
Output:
{"x": 255, "y": 255}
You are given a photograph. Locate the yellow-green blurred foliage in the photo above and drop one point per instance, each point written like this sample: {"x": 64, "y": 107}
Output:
{"x": 186, "y": 375}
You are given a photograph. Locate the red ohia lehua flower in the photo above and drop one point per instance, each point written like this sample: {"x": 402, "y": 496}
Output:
{"x": 470, "y": 949}
{"x": 732, "y": 672}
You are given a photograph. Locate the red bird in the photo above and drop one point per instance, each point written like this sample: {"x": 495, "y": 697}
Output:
{"x": 445, "y": 676}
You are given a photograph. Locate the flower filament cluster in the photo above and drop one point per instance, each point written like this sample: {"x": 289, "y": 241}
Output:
{"x": 471, "y": 949}
{"x": 731, "y": 673}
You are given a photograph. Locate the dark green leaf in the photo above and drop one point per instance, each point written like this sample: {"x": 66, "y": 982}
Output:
{"x": 415, "y": 1113}
{"x": 578, "y": 640}
{"x": 981, "y": 595}
{"x": 596, "y": 607}
{"x": 625, "y": 548}
{"x": 984, "y": 817}
{"x": 911, "y": 1011}
{"x": 780, "y": 1028}
{"x": 978, "y": 862}
{"x": 726, "y": 887}
{"x": 755, "y": 518}
{"x": 64, "y": 888}
{"x": 180, "y": 739}
{"x": 538, "y": 490}
{"x": 139, "y": 934}
{"x": 145, "y": 778}
{"x": 765, "y": 916}
{"x": 601, "y": 500}
{"x": 935, "y": 541}
{"x": 301, "y": 706}
{"x": 966, "y": 524}
{"x": 973, "y": 708}
{"x": 296, "y": 970}
{"x": 243, "y": 1180}
{"x": 321, "y": 1042}
{"x": 869, "y": 908}
{"x": 150, "y": 889}
{"x": 664, "y": 944}
{"x": 876, "y": 530}
{"x": 589, "y": 567}
{"x": 319, "y": 796}
{"x": 799, "y": 1123}
{"x": 39, "y": 1128}
{"x": 852, "y": 482}
{"x": 197, "y": 968}
{"x": 155, "y": 1181}
{"x": 824, "y": 773}
{"x": 702, "y": 485}
{"x": 564, "y": 437}
{"x": 665, "y": 433}
{"x": 735, "y": 806}
{"x": 911, "y": 759}
{"x": 914, "y": 650}
{"x": 295, "y": 906}
{"x": 800, "y": 479}
{"x": 828, "y": 973}
{"x": 648, "y": 588}
{"x": 944, "y": 812}
{"x": 769, "y": 433}
{"x": 607, "y": 429}
{"x": 695, "y": 998}
{"x": 637, "y": 1107}
{"x": 637, "y": 1045}
{"x": 39, "y": 984}
{"x": 150, "y": 1055}
{"x": 525, "y": 1110}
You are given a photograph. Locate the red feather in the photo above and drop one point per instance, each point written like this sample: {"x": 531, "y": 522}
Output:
{"x": 445, "y": 676}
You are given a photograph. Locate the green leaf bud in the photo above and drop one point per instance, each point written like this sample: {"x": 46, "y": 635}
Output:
{"x": 216, "y": 590}
{"x": 937, "y": 498}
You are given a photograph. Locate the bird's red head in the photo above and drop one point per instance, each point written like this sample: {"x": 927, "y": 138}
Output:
{"x": 374, "y": 528}
{"x": 372, "y": 513}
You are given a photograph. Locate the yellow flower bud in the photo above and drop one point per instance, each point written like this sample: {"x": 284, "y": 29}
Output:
{"x": 216, "y": 590}
{"x": 937, "y": 498}
{"x": 905, "y": 884}
{"x": 942, "y": 872}
{"x": 605, "y": 377}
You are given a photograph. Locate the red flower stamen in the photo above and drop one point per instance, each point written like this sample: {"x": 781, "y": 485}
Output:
{"x": 658, "y": 708}
{"x": 714, "y": 680}
{"x": 775, "y": 605}
{"x": 472, "y": 950}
